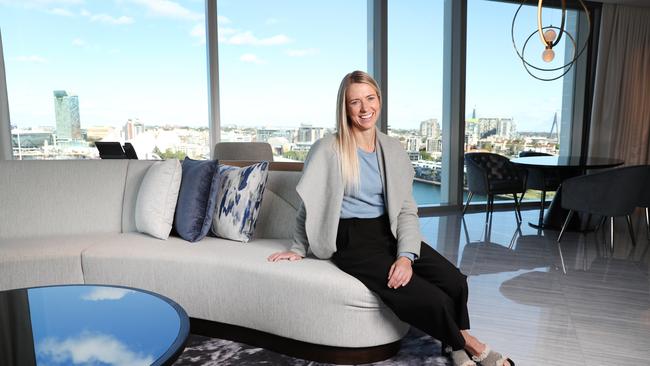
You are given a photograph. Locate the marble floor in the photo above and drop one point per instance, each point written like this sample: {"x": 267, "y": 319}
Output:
{"x": 522, "y": 303}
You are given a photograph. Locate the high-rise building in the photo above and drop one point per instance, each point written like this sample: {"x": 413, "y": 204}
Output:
{"x": 308, "y": 134}
{"x": 434, "y": 145}
{"x": 66, "y": 110}
{"x": 487, "y": 127}
{"x": 430, "y": 128}
{"x": 412, "y": 143}
{"x": 506, "y": 128}
{"x": 132, "y": 129}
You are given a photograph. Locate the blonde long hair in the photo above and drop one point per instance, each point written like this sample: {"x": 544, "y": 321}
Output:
{"x": 346, "y": 141}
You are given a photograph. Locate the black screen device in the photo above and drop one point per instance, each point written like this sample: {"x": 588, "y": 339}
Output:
{"x": 110, "y": 150}
{"x": 129, "y": 151}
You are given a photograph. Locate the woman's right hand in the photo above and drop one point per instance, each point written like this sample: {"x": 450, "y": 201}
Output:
{"x": 288, "y": 255}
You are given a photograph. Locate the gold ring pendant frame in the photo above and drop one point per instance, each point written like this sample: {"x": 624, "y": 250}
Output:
{"x": 549, "y": 44}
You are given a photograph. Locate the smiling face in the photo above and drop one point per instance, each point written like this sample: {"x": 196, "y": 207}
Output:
{"x": 362, "y": 106}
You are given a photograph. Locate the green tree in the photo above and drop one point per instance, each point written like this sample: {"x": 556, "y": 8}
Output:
{"x": 169, "y": 154}
{"x": 295, "y": 155}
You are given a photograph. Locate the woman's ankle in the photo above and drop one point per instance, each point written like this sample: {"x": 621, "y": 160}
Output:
{"x": 474, "y": 346}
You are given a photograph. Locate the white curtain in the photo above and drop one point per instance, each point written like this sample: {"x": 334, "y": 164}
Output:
{"x": 5, "y": 128}
{"x": 620, "y": 120}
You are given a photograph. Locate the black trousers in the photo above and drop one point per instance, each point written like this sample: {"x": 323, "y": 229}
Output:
{"x": 434, "y": 301}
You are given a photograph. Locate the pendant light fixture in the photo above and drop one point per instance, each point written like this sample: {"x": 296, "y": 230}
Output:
{"x": 550, "y": 37}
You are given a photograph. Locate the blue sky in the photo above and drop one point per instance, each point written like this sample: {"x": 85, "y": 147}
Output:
{"x": 67, "y": 329}
{"x": 280, "y": 61}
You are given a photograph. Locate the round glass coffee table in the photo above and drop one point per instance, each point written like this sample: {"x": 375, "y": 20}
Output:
{"x": 85, "y": 324}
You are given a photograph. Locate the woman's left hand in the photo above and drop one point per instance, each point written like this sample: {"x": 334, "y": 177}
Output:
{"x": 400, "y": 273}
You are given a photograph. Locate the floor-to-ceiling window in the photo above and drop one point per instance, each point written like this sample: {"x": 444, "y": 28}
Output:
{"x": 508, "y": 110}
{"x": 136, "y": 71}
{"x": 414, "y": 100}
{"x": 280, "y": 65}
{"x": 129, "y": 71}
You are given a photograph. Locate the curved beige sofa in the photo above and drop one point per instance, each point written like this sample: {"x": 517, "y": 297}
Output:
{"x": 70, "y": 222}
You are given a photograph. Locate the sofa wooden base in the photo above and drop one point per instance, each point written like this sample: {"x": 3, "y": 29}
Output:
{"x": 291, "y": 347}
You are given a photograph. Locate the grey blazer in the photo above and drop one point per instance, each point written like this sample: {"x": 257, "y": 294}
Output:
{"x": 321, "y": 191}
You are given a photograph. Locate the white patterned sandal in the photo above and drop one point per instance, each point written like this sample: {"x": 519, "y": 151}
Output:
{"x": 490, "y": 358}
{"x": 461, "y": 358}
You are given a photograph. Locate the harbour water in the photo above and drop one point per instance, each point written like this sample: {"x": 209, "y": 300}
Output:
{"x": 429, "y": 194}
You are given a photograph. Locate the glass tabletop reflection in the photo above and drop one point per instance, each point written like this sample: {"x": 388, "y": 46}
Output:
{"x": 567, "y": 162}
{"x": 90, "y": 325}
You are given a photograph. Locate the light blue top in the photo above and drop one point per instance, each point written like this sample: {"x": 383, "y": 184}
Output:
{"x": 319, "y": 214}
{"x": 368, "y": 203}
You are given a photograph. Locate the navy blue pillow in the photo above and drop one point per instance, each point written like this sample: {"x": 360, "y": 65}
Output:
{"x": 197, "y": 198}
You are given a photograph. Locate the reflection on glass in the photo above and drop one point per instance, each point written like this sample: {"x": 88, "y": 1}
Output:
{"x": 75, "y": 325}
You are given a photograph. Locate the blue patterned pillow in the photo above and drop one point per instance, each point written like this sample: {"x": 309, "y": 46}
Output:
{"x": 239, "y": 200}
{"x": 197, "y": 199}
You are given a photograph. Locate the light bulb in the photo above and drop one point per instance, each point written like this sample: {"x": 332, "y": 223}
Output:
{"x": 548, "y": 55}
{"x": 549, "y": 35}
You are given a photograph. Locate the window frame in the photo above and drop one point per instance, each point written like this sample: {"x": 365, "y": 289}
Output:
{"x": 576, "y": 124}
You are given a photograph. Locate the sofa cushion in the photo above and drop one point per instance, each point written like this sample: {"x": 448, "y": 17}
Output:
{"x": 157, "y": 196}
{"x": 135, "y": 173}
{"x": 196, "y": 199}
{"x": 54, "y": 260}
{"x": 239, "y": 200}
{"x": 309, "y": 300}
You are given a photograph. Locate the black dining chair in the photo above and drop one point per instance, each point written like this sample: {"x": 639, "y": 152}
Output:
{"x": 492, "y": 174}
{"x": 610, "y": 193}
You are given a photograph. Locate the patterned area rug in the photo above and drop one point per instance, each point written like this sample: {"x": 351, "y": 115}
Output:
{"x": 417, "y": 349}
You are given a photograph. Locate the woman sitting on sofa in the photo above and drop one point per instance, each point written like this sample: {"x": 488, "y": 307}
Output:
{"x": 358, "y": 210}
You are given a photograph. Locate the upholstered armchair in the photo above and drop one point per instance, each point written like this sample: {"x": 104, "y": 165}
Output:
{"x": 492, "y": 174}
{"x": 612, "y": 193}
{"x": 254, "y": 151}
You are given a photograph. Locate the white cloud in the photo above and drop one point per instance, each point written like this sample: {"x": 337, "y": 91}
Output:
{"x": 252, "y": 58}
{"x": 78, "y": 42}
{"x": 198, "y": 31}
{"x": 222, "y": 20}
{"x": 62, "y": 12}
{"x": 106, "y": 293}
{"x": 40, "y": 3}
{"x": 85, "y": 13}
{"x": 303, "y": 52}
{"x": 105, "y": 18}
{"x": 275, "y": 40}
{"x": 56, "y": 7}
{"x": 248, "y": 38}
{"x": 224, "y": 31}
{"x": 167, "y": 8}
{"x": 271, "y": 21}
{"x": 32, "y": 58}
{"x": 90, "y": 349}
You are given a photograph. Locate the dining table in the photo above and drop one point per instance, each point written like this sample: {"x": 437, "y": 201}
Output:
{"x": 565, "y": 167}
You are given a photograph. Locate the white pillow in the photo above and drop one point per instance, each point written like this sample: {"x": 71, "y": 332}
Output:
{"x": 156, "y": 202}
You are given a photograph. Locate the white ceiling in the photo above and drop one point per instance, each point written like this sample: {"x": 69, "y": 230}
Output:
{"x": 627, "y": 2}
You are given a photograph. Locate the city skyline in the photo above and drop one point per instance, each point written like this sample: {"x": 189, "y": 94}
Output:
{"x": 111, "y": 56}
